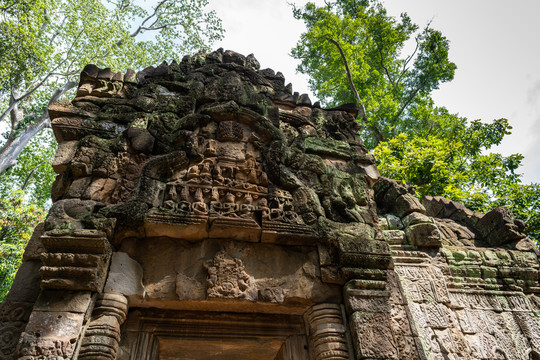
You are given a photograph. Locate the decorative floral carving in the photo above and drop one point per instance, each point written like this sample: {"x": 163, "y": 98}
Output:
{"x": 227, "y": 278}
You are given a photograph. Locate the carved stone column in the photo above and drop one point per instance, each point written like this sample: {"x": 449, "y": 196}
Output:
{"x": 75, "y": 265}
{"x": 327, "y": 332}
{"x": 103, "y": 333}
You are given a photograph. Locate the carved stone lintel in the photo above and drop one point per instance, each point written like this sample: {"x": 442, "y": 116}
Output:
{"x": 327, "y": 333}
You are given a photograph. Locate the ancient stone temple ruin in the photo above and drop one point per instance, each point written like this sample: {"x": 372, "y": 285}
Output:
{"x": 202, "y": 210}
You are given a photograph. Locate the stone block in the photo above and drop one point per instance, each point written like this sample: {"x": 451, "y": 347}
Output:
{"x": 13, "y": 319}
{"x": 406, "y": 204}
{"x": 372, "y": 174}
{"x": 415, "y": 218}
{"x": 51, "y": 334}
{"x": 34, "y": 248}
{"x": 62, "y": 301}
{"x": 64, "y": 154}
{"x": 433, "y": 204}
{"x": 423, "y": 235}
{"x": 372, "y": 336}
{"x": 125, "y": 276}
{"x": 373, "y": 301}
{"x": 394, "y": 222}
{"x": 382, "y": 223}
{"x": 353, "y": 245}
{"x": 395, "y": 237}
{"x": 498, "y": 227}
{"x": 100, "y": 189}
{"x": 140, "y": 140}
{"x": 331, "y": 275}
{"x": 25, "y": 287}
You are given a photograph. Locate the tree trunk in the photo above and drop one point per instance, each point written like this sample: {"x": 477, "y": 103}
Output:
{"x": 15, "y": 145}
{"x": 18, "y": 141}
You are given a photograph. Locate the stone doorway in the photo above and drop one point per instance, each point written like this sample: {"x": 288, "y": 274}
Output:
{"x": 152, "y": 334}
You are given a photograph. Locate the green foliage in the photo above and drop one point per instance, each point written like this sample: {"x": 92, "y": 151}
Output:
{"x": 457, "y": 165}
{"x": 452, "y": 165}
{"x": 388, "y": 83}
{"x": 20, "y": 43}
{"x": 57, "y": 38}
{"x": 18, "y": 217}
{"x": 22, "y": 209}
{"x": 33, "y": 173}
{"x": 353, "y": 52}
{"x": 524, "y": 201}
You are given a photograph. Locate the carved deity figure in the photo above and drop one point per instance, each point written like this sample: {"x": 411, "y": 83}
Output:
{"x": 199, "y": 206}
{"x": 193, "y": 172}
{"x": 227, "y": 278}
{"x": 247, "y": 207}
{"x": 229, "y": 206}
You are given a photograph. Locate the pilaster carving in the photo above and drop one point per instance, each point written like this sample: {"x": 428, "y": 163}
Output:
{"x": 103, "y": 332}
{"x": 50, "y": 335}
{"x": 370, "y": 320}
{"x": 327, "y": 332}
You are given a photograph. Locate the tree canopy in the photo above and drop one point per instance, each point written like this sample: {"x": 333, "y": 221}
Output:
{"x": 353, "y": 51}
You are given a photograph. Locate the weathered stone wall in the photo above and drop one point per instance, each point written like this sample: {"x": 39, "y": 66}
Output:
{"x": 469, "y": 279}
{"x": 201, "y": 199}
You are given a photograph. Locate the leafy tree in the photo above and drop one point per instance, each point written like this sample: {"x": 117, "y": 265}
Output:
{"x": 18, "y": 217}
{"x": 33, "y": 173}
{"x": 352, "y": 51}
{"x": 524, "y": 201}
{"x": 461, "y": 168}
{"x": 44, "y": 44}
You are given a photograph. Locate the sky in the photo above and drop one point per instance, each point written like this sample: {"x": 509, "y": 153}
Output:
{"x": 494, "y": 43}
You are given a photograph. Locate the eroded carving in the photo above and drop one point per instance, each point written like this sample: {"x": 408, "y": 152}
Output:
{"x": 227, "y": 278}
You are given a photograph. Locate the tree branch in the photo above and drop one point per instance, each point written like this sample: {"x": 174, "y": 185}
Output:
{"x": 349, "y": 78}
{"x": 57, "y": 94}
{"x": 33, "y": 87}
{"x": 386, "y": 69}
{"x": 141, "y": 27}
{"x": 57, "y": 32}
{"x": 406, "y": 103}
{"x": 152, "y": 28}
{"x": 407, "y": 60}
{"x": 15, "y": 114}
{"x": 31, "y": 173}
{"x": 13, "y": 147}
